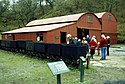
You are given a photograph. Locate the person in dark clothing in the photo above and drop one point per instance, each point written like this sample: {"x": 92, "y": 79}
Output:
{"x": 108, "y": 39}
{"x": 79, "y": 42}
{"x": 75, "y": 40}
{"x": 88, "y": 39}
{"x": 87, "y": 46}
{"x": 70, "y": 39}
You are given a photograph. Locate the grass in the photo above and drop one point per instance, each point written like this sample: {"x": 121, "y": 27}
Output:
{"x": 20, "y": 69}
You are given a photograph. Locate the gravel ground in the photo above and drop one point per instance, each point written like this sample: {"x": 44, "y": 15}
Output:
{"x": 111, "y": 70}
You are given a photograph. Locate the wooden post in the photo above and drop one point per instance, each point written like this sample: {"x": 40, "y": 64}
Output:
{"x": 88, "y": 62}
{"x": 81, "y": 71}
{"x": 82, "y": 60}
{"x": 58, "y": 79}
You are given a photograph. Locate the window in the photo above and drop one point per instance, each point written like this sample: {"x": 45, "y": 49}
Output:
{"x": 89, "y": 18}
{"x": 109, "y": 17}
{"x": 40, "y": 37}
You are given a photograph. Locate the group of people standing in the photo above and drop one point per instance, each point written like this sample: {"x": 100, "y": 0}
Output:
{"x": 92, "y": 43}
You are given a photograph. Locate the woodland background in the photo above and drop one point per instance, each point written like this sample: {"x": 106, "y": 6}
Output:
{"x": 15, "y": 14}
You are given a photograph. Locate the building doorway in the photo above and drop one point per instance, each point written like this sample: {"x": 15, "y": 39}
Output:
{"x": 63, "y": 37}
{"x": 82, "y": 33}
{"x": 13, "y": 37}
{"x": 86, "y": 32}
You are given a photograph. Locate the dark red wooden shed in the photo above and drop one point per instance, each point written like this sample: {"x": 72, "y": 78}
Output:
{"x": 55, "y": 29}
{"x": 109, "y": 25}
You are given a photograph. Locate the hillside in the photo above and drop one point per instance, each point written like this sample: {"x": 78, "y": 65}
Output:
{"x": 17, "y": 14}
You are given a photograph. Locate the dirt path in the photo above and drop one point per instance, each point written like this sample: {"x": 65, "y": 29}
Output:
{"x": 115, "y": 59}
{"x": 111, "y": 70}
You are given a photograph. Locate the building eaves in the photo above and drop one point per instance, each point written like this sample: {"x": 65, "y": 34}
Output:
{"x": 43, "y": 28}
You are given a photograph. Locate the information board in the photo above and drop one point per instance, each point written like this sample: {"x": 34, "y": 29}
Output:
{"x": 83, "y": 59}
{"x": 58, "y": 67}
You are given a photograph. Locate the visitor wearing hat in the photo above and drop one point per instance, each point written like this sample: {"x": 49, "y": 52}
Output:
{"x": 103, "y": 46}
{"x": 108, "y": 39}
{"x": 92, "y": 45}
{"x": 83, "y": 40}
{"x": 70, "y": 39}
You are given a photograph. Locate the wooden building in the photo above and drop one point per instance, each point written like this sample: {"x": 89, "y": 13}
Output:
{"x": 55, "y": 29}
{"x": 109, "y": 25}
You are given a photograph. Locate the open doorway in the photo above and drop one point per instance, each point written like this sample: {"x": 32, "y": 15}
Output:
{"x": 82, "y": 33}
{"x": 86, "y": 32}
{"x": 63, "y": 37}
{"x": 13, "y": 36}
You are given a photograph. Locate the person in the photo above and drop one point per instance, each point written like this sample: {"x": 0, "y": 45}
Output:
{"x": 103, "y": 46}
{"x": 75, "y": 40}
{"x": 38, "y": 38}
{"x": 98, "y": 49}
{"x": 88, "y": 38}
{"x": 83, "y": 40}
{"x": 94, "y": 38}
{"x": 93, "y": 46}
{"x": 108, "y": 39}
{"x": 79, "y": 42}
{"x": 87, "y": 46}
{"x": 70, "y": 39}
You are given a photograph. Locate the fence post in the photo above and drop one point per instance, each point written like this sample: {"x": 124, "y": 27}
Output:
{"x": 82, "y": 60}
{"x": 58, "y": 79}
{"x": 88, "y": 61}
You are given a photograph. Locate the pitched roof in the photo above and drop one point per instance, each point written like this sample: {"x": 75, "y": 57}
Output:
{"x": 61, "y": 19}
{"x": 99, "y": 15}
{"x": 38, "y": 28}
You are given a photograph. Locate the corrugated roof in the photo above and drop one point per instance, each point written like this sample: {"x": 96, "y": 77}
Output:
{"x": 38, "y": 28}
{"x": 67, "y": 18}
{"x": 99, "y": 15}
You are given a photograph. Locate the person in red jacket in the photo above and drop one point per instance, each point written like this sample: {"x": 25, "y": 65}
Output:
{"x": 92, "y": 45}
{"x": 103, "y": 46}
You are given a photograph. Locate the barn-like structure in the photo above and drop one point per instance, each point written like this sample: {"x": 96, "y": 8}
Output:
{"x": 109, "y": 25}
{"x": 55, "y": 29}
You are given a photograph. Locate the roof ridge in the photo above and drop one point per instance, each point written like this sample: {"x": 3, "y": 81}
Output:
{"x": 66, "y": 18}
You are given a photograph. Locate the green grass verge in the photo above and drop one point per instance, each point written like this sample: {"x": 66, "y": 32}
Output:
{"x": 20, "y": 69}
